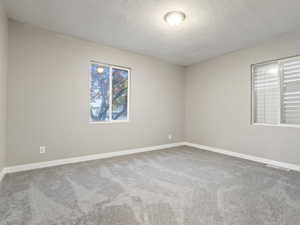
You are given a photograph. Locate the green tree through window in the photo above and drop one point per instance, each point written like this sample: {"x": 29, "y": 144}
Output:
{"x": 109, "y": 87}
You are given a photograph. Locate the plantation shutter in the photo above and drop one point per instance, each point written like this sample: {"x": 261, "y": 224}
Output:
{"x": 266, "y": 93}
{"x": 291, "y": 91}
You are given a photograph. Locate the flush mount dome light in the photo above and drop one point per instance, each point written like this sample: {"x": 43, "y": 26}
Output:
{"x": 174, "y": 18}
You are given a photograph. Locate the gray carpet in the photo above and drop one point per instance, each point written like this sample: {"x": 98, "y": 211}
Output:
{"x": 179, "y": 186}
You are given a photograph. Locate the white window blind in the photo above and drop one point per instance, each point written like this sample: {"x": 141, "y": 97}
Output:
{"x": 276, "y": 92}
{"x": 266, "y": 84}
{"x": 291, "y": 91}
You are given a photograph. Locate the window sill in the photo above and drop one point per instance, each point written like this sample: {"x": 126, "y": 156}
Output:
{"x": 110, "y": 122}
{"x": 276, "y": 125}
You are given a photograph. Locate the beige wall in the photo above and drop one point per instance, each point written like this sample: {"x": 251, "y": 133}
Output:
{"x": 218, "y": 104}
{"x": 48, "y": 98}
{"x": 3, "y": 66}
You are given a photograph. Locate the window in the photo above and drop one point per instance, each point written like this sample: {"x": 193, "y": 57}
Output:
{"x": 276, "y": 92}
{"x": 109, "y": 93}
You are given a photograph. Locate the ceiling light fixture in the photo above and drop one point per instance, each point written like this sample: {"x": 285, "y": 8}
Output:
{"x": 174, "y": 18}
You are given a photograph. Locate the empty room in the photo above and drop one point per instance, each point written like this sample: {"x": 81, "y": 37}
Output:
{"x": 149, "y": 112}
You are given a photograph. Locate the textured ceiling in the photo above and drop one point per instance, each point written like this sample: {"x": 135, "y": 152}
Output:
{"x": 212, "y": 27}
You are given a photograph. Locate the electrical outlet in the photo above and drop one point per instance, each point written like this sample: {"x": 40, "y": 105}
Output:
{"x": 42, "y": 149}
{"x": 170, "y": 136}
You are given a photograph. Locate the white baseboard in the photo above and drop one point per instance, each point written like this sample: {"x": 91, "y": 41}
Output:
{"x": 59, "y": 162}
{"x": 273, "y": 163}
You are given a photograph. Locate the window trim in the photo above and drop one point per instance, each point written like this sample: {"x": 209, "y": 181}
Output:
{"x": 252, "y": 102}
{"x": 111, "y": 66}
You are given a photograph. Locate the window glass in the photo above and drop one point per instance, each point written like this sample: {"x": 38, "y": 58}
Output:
{"x": 109, "y": 93}
{"x": 99, "y": 93}
{"x": 119, "y": 94}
